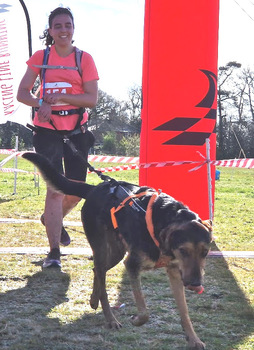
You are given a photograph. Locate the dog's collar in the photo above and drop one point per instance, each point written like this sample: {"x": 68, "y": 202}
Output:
{"x": 149, "y": 218}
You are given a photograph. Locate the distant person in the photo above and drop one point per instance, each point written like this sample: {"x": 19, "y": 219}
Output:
{"x": 64, "y": 93}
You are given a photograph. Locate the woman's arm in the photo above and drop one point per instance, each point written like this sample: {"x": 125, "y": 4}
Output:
{"x": 25, "y": 96}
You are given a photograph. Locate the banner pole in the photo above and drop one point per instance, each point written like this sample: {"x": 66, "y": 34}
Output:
{"x": 29, "y": 32}
{"x": 29, "y": 36}
{"x": 208, "y": 160}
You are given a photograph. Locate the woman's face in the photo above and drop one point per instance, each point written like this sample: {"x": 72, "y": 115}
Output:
{"x": 62, "y": 30}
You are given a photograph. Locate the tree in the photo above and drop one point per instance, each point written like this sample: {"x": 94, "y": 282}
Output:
{"x": 225, "y": 100}
{"x": 248, "y": 83}
{"x": 133, "y": 106}
{"x": 111, "y": 115}
{"x": 108, "y": 114}
{"x": 129, "y": 146}
{"x": 109, "y": 143}
{"x": 8, "y": 133}
{"x": 235, "y": 111}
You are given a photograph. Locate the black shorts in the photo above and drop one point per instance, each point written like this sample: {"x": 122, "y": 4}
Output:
{"x": 51, "y": 145}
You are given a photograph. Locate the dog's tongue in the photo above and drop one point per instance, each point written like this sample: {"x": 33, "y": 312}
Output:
{"x": 197, "y": 289}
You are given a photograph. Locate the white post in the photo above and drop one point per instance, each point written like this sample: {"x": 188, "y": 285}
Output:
{"x": 36, "y": 182}
{"x": 209, "y": 180}
{"x": 16, "y": 165}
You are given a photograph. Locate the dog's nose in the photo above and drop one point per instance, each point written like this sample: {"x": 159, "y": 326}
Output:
{"x": 192, "y": 282}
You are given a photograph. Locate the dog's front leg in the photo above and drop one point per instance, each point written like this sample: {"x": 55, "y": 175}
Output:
{"x": 99, "y": 292}
{"x": 143, "y": 315}
{"x": 178, "y": 291}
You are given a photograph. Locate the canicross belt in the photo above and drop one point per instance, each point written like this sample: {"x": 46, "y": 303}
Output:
{"x": 64, "y": 113}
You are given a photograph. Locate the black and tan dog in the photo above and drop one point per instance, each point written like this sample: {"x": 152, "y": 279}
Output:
{"x": 155, "y": 230}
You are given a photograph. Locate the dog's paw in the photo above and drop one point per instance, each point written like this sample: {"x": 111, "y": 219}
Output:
{"x": 196, "y": 344}
{"x": 94, "y": 302}
{"x": 114, "y": 324}
{"x": 140, "y": 319}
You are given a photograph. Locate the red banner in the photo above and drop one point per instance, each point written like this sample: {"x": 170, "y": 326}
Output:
{"x": 179, "y": 96}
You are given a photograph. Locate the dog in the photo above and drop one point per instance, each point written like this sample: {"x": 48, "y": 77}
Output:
{"x": 153, "y": 228}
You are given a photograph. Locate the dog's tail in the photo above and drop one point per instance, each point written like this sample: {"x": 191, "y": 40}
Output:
{"x": 54, "y": 179}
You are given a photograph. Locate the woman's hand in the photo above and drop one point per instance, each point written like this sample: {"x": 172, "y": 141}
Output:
{"x": 44, "y": 112}
{"x": 53, "y": 99}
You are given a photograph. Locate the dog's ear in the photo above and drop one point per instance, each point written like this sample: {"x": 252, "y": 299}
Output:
{"x": 185, "y": 215}
{"x": 208, "y": 224}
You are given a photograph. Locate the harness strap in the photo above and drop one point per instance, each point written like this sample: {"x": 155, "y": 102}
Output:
{"x": 122, "y": 204}
{"x": 148, "y": 216}
{"x": 43, "y": 71}
{"x": 78, "y": 57}
{"x": 46, "y": 66}
{"x": 149, "y": 219}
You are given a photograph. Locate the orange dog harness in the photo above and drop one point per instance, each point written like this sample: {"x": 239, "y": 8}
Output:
{"x": 148, "y": 215}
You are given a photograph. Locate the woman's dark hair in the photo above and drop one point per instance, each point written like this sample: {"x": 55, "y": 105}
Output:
{"x": 58, "y": 11}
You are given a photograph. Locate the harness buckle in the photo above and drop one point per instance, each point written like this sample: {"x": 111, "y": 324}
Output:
{"x": 62, "y": 113}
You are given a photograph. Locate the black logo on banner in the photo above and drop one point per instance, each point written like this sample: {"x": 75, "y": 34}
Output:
{"x": 190, "y": 138}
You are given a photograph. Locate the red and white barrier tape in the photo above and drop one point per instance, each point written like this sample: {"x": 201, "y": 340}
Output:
{"x": 7, "y": 151}
{"x": 12, "y": 170}
{"x": 103, "y": 170}
{"x": 163, "y": 164}
{"x": 118, "y": 168}
{"x": 92, "y": 158}
{"x": 113, "y": 159}
{"x": 247, "y": 163}
{"x": 12, "y": 155}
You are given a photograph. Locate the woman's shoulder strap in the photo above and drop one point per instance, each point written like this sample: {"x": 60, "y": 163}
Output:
{"x": 44, "y": 66}
{"x": 78, "y": 57}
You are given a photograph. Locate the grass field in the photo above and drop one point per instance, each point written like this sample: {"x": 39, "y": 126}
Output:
{"x": 49, "y": 310}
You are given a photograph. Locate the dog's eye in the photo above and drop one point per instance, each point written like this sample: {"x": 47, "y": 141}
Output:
{"x": 204, "y": 253}
{"x": 184, "y": 252}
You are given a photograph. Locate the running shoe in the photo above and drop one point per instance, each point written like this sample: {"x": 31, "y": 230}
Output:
{"x": 53, "y": 259}
{"x": 65, "y": 238}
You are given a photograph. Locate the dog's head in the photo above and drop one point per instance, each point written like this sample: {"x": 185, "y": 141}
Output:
{"x": 188, "y": 243}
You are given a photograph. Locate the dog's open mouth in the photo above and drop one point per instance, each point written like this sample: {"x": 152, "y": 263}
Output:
{"x": 197, "y": 289}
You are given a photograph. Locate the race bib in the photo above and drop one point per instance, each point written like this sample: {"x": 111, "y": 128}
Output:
{"x": 58, "y": 87}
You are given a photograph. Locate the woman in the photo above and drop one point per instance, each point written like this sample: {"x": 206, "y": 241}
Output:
{"x": 59, "y": 111}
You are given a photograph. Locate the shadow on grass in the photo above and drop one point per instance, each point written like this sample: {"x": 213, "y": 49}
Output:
{"x": 3, "y": 200}
{"x": 24, "y": 311}
{"x": 222, "y": 317}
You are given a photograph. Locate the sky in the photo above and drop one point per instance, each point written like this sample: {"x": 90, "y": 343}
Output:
{"x": 112, "y": 32}
{"x": 236, "y": 28}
